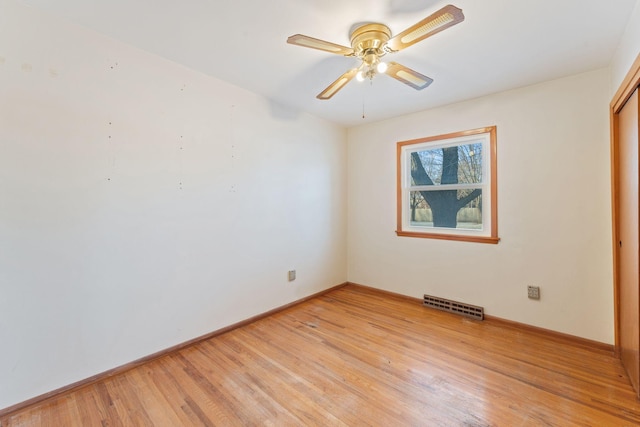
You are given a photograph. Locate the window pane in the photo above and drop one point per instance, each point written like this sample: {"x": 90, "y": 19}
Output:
{"x": 461, "y": 209}
{"x": 460, "y": 164}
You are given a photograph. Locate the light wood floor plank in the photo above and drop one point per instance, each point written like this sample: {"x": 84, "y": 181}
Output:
{"x": 356, "y": 356}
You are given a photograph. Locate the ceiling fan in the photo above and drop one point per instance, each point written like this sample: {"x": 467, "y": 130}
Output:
{"x": 370, "y": 42}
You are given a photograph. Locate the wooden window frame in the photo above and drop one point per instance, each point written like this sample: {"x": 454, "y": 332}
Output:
{"x": 492, "y": 235}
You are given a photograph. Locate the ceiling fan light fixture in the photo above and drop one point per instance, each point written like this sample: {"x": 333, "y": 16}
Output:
{"x": 371, "y": 41}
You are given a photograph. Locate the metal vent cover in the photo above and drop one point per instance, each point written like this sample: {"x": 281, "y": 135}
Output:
{"x": 467, "y": 310}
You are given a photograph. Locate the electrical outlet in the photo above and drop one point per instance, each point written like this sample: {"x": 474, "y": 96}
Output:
{"x": 533, "y": 292}
{"x": 292, "y": 275}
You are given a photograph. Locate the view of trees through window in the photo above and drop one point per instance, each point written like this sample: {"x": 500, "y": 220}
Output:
{"x": 446, "y": 186}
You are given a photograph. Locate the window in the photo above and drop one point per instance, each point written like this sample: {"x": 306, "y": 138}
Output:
{"x": 447, "y": 186}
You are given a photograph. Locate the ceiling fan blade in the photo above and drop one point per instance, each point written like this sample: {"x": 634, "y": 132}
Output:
{"x": 408, "y": 76}
{"x": 338, "y": 84}
{"x": 306, "y": 41}
{"x": 441, "y": 20}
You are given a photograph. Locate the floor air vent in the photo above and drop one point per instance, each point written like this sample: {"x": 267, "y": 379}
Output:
{"x": 472, "y": 311}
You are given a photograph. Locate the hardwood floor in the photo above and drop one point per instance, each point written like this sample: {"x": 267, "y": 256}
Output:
{"x": 356, "y": 356}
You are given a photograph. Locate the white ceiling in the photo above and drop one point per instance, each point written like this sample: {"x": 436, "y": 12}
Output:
{"x": 502, "y": 44}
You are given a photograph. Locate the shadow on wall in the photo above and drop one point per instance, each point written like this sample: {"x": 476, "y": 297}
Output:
{"x": 282, "y": 112}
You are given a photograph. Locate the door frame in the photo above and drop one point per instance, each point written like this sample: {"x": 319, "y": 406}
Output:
{"x": 624, "y": 92}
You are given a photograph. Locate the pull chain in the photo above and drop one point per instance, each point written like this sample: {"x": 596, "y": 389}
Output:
{"x": 363, "y": 96}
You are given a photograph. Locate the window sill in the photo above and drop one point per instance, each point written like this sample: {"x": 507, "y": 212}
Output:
{"x": 457, "y": 237}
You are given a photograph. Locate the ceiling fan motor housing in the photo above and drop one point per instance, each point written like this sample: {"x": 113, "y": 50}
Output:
{"x": 368, "y": 42}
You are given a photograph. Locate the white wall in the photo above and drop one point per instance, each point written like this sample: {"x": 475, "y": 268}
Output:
{"x": 628, "y": 49}
{"x": 143, "y": 204}
{"x": 553, "y": 209}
